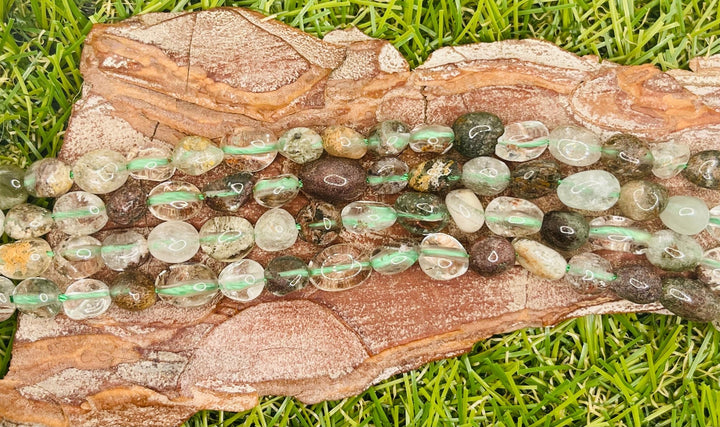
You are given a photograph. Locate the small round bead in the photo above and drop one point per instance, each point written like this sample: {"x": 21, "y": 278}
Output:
{"x": 535, "y": 179}
{"x": 339, "y": 267}
{"x": 196, "y": 155}
{"x": 173, "y": 241}
{"x": 442, "y": 257}
{"x": 421, "y": 213}
{"x": 367, "y": 217}
{"x": 690, "y": 299}
{"x": 100, "y": 171}
{"x": 574, "y": 145}
{"x": 127, "y": 205}
{"x": 37, "y": 297}
{"x": 465, "y": 209}
{"x": 616, "y": 233}
{"x": 492, "y": 256}
{"x": 341, "y": 141}
{"x": 436, "y": 175}
{"x": 393, "y": 259}
{"x": 486, "y": 176}
{"x": 432, "y": 139}
{"x": 174, "y": 201}
{"x": 672, "y": 251}
{"x": 276, "y": 191}
{"x": 25, "y": 221}
{"x": 7, "y": 307}
{"x": 627, "y": 157}
{"x": 86, "y": 298}
{"x": 589, "y": 273}
{"x": 388, "y": 138}
{"x": 333, "y": 179}
{"x": 285, "y": 274}
{"x": 511, "y": 217}
{"x": 642, "y": 200}
{"x": 476, "y": 134}
{"x": 388, "y": 175}
{"x": 124, "y": 250}
{"x": 188, "y": 284}
{"x": 301, "y": 145}
{"x": 522, "y": 141}
{"x": 703, "y": 169}
{"x": 685, "y": 215}
{"x": 539, "y": 259}
{"x": 24, "y": 258}
{"x": 669, "y": 159}
{"x": 133, "y": 290}
{"x": 593, "y": 190}
{"x": 229, "y": 193}
{"x": 12, "y": 189}
{"x": 227, "y": 238}
{"x": 77, "y": 257}
{"x": 151, "y": 164}
{"x": 275, "y": 230}
{"x": 637, "y": 283}
{"x": 79, "y": 213}
{"x": 249, "y": 149}
{"x": 320, "y": 223}
{"x": 242, "y": 281}
{"x": 48, "y": 178}
{"x": 565, "y": 231}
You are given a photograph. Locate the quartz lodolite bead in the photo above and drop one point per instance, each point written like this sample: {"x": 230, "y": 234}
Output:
{"x": 442, "y": 257}
{"x": 189, "y": 284}
{"x": 2, "y": 222}
{"x": 78, "y": 213}
{"x": 151, "y": 164}
{"x": 669, "y": 159}
{"x": 301, "y": 145}
{"x": 637, "y": 283}
{"x": 195, "y": 155}
{"x": 229, "y": 193}
{"x": 713, "y": 227}
{"x": 249, "y": 149}
{"x": 535, "y": 179}
{"x": 339, "y": 267}
{"x": 522, "y": 141}
{"x": 589, "y": 273}
{"x": 133, "y": 290}
{"x": 486, "y": 176}
{"x": 100, "y": 171}
{"x": 574, "y": 145}
{"x": 285, "y": 274}
{"x": 685, "y": 215}
{"x": 627, "y": 157}
{"x": 37, "y": 297}
{"x": 367, "y": 216}
{"x": 124, "y": 250}
{"x": 689, "y": 299}
{"x": 333, "y": 179}
{"x": 276, "y": 191}
{"x": 708, "y": 270}
{"x": 174, "y": 201}
{"x": 25, "y": 221}
{"x": 275, "y": 230}
{"x": 465, "y": 209}
{"x": 432, "y": 139}
{"x": 24, "y": 258}
{"x": 563, "y": 230}
{"x": 511, "y": 217}
{"x": 421, "y": 213}
{"x": 394, "y": 258}
{"x": 593, "y": 190}
{"x": 85, "y": 299}
{"x": 492, "y": 256}
{"x": 128, "y": 204}
{"x": 617, "y": 233}
{"x": 436, "y": 175}
{"x": 476, "y": 134}
{"x": 388, "y": 175}
{"x": 341, "y": 141}
{"x": 672, "y": 251}
{"x": 703, "y": 169}
{"x": 77, "y": 257}
{"x": 243, "y": 280}
{"x": 539, "y": 259}
{"x": 320, "y": 223}
{"x": 12, "y": 189}
{"x": 388, "y": 138}
{"x": 173, "y": 241}
{"x": 227, "y": 238}
{"x": 7, "y": 307}
{"x": 48, "y": 178}
{"x": 642, "y": 200}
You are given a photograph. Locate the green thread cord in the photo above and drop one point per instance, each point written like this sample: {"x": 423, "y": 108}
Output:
{"x": 35, "y": 299}
{"x": 394, "y": 258}
{"x": 338, "y": 268}
{"x": 225, "y": 237}
{"x": 84, "y": 295}
{"x": 249, "y": 151}
{"x": 171, "y": 197}
{"x": 78, "y": 213}
{"x": 445, "y": 253}
{"x": 714, "y": 220}
{"x": 420, "y": 217}
{"x": 326, "y": 224}
{"x": 485, "y": 178}
{"x": 377, "y": 180}
{"x": 710, "y": 263}
{"x": 190, "y": 288}
{"x": 297, "y": 272}
{"x": 529, "y": 144}
{"x": 515, "y": 220}
{"x": 591, "y": 275}
{"x": 635, "y": 234}
{"x": 146, "y": 163}
{"x": 242, "y": 284}
{"x": 278, "y": 185}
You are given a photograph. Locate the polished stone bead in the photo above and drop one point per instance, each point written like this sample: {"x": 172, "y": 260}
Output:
{"x": 535, "y": 179}
{"x": 574, "y": 145}
{"x": 442, "y": 257}
{"x": 133, "y": 290}
{"x": 708, "y": 270}
{"x": 617, "y": 233}
{"x": 243, "y": 280}
{"x": 627, "y": 157}
{"x": 151, "y": 164}
{"x": 78, "y": 213}
{"x": 24, "y": 258}
{"x": 48, "y": 178}
{"x": 388, "y": 138}
{"x": 26, "y": 221}
{"x": 672, "y": 251}
{"x": 522, "y": 141}
{"x": 128, "y": 204}
{"x": 685, "y": 215}
{"x": 37, "y": 297}
{"x": 476, "y": 134}
{"x": 275, "y": 230}
{"x": 341, "y": 141}
{"x": 539, "y": 259}
{"x": 713, "y": 227}
{"x": 227, "y": 238}
{"x": 77, "y": 257}
{"x": 320, "y": 223}
{"x": 511, "y": 217}
{"x": 2, "y": 222}
{"x": 333, "y": 179}
{"x": 100, "y": 171}
{"x": 465, "y": 209}
{"x": 642, "y": 200}
{"x": 491, "y": 256}
{"x": 669, "y": 159}
{"x": 432, "y": 139}
{"x": 421, "y": 213}
{"x": 486, "y": 176}
{"x": 301, "y": 145}
{"x": 173, "y": 241}
{"x": 589, "y": 273}
{"x": 388, "y": 175}
{"x": 12, "y": 189}
{"x": 436, "y": 175}
{"x": 563, "y": 230}
{"x": 637, "y": 283}
{"x": 339, "y": 267}
{"x": 189, "y": 284}
{"x": 703, "y": 169}
{"x": 7, "y": 307}
{"x": 249, "y": 149}
{"x": 273, "y": 192}
{"x": 124, "y": 250}
{"x": 195, "y": 155}
{"x": 367, "y": 217}
{"x": 229, "y": 193}
{"x": 285, "y": 274}
{"x": 593, "y": 190}
{"x": 174, "y": 201}
{"x": 690, "y": 299}
{"x": 394, "y": 258}
{"x": 85, "y": 299}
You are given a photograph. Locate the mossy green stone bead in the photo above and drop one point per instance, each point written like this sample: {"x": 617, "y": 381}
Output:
{"x": 301, "y": 145}
{"x": 476, "y": 134}
{"x": 12, "y": 189}
{"x": 388, "y": 138}
{"x": 133, "y": 290}
{"x": 25, "y": 221}
{"x": 48, "y": 178}
{"x": 642, "y": 200}
{"x": 672, "y": 251}
{"x": 690, "y": 299}
{"x": 703, "y": 169}
{"x": 627, "y": 157}
{"x": 285, "y": 274}
{"x": 436, "y": 175}
{"x": 421, "y": 213}
{"x": 564, "y": 230}
{"x": 535, "y": 179}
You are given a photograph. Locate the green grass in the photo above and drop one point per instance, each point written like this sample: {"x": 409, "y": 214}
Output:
{"x": 621, "y": 370}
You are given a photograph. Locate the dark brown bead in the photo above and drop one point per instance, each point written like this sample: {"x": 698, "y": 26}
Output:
{"x": 564, "y": 230}
{"x": 128, "y": 204}
{"x": 133, "y": 290}
{"x": 320, "y": 223}
{"x": 703, "y": 169}
{"x": 278, "y": 282}
{"x": 627, "y": 157}
{"x": 333, "y": 179}
{"x": 637, "y": 283}
{"x": 690, "y": 299}
{"x": 534, "y": 179}
{"x": 492, "y": 256}
{"x": 229, "y": 193}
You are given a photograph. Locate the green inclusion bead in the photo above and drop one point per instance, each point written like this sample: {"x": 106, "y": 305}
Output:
{"x": 301, "y": 145}
{"x": 642, "y": 200}
{"x": 439, "y": 174}
{"x": 285, "y": 274}
{"x": 12, "y": 190}
{"x": 476, "y": 134}
{"x": 690, "y": 299}
{"x": 627, "y": 157}
{"x": 421, "y": 213}
{"x": 564, "y": 230}
{"x": 195, "y": 155}
{"x": 388, "y": 138}
{"x": 366, "y": 216}
{"x": 703, "y": 169}
{"x": 535, "y": 179}
{"x": 133, "y": 290}
{"x": 672, "y": 251}
{"x": 7, "y": 308}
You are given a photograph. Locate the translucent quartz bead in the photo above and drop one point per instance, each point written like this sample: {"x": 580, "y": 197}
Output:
{"x": 2, "y": 222}
{"x": 285, "y": 274}
{"x": 195, "y": 155}
{"x": 133, "y": 290}
{"x": 228, "y": 194}
{"x": 589, "y": 273}
{"x": 227, "y": 238}
{"x": 24, "y": 258}
{"x": 685, "y": 215}
{"x": 421, "y": 213}
{"x": 48, "y": 178}
{"x": 477, "y": 133}
{"x": 249, "y": 149}
{"x": 616, "y": 233}
{"x": 78, "y": 257}
{"x": 334, "y": 179}
{"x": 393, "y": 259}
{"x": 78, "y": 213}
{"x": 465, "y": 209}
{"x": 388, "y": 175}
{"x": 637, "y": 283}
{"x": 100, "y": 171}
{"x": 713, "y": 227}
{"x": 492, "y": 256}
{"x": 7, "y": 307}
{"x": 85, "y": 299}
{"x": 128, "y": 204}
{"x": 187, "y": 285}
{"x": 276, "y": 191}
{"x": 672, "y": 251}
{"x": 341, "y": 141}
{"x": 124, "y": 250}
{"x": 275, "y": 230}
{"x": 574, "y": 145}
{"x": 301, "y": 145}
{"x": 37, "y": 297}
{"x": 388, "y": 138}
{"x": 642, "y": 200}
{"x": 339, "y": 267}
{"x": 522, "y": 141}
{"x": 320, "y": 223}
{"x": 243, "y": 280}
{"x": 627, "y": 157}
{"x": 708, "y": 271}
{"x": 151, "y": 164}
{"x": 565, "y": 231}
{"x": 174, "y": 201}
{"x": 690, "y": 299}
{"x": 442, "y": 257}
{"x": 703, "y": 169}
{"x": 12, "y": 190}
{"x": 486, "y": 176}
{"x": 432, "y": 139}
{"x": 367, "y": 217}
{"x": 173, "y": 241}
{"x": 436, "y": 175}
{"x": 26, "y": 221}
{"x": 511, "y": 217}
{"x": 669, "y": 159}
{"x": 535, "y": 179}
{"x": 593, "y": 190}
{"x": 539, "y": 259}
